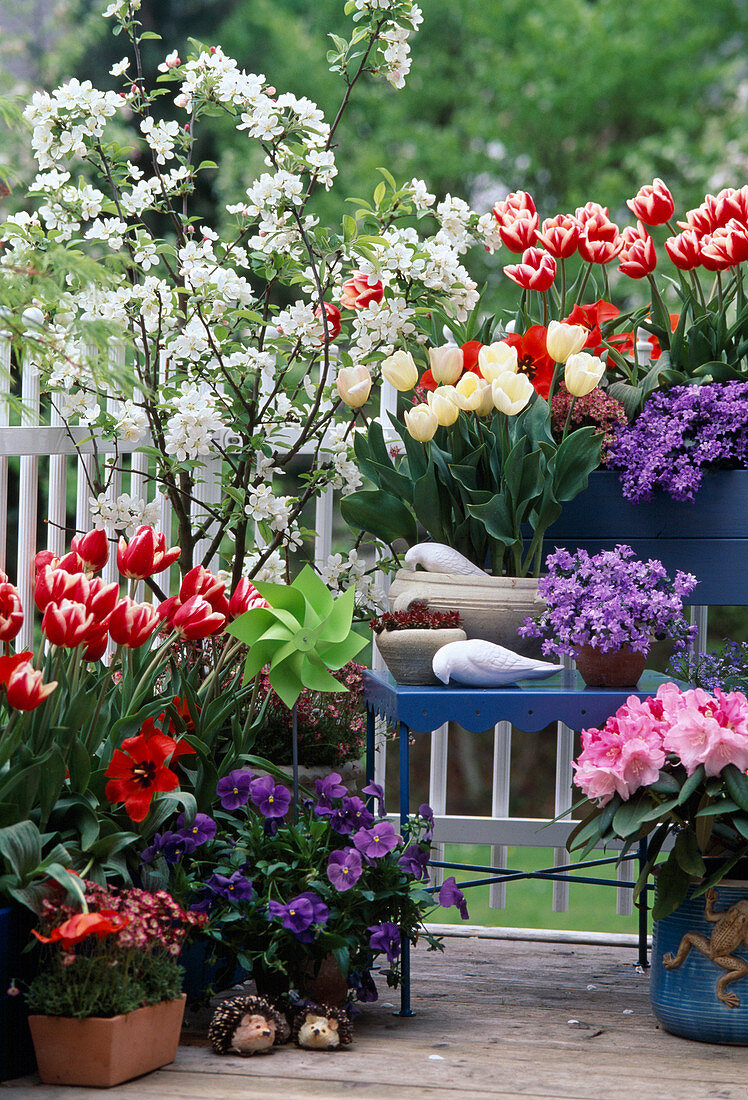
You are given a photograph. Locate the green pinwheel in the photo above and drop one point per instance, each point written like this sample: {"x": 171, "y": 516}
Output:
{"x": 301, "y": 636}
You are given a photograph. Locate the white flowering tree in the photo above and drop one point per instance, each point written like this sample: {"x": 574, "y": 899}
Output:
{"x": 182, "y": 340}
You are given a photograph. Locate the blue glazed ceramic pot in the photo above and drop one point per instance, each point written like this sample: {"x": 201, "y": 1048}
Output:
{"x": 685, "y": 997}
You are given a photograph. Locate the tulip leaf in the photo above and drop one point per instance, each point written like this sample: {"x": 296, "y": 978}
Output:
{"x": 577, "y": 456}
{"x": 21, "y": 846}
{"x": 381, "y": 514}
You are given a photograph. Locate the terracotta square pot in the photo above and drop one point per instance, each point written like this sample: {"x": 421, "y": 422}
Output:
{"x": 103, "y": 1051}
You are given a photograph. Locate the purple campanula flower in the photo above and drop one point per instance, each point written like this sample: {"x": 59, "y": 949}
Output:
{"x": 271, "y": 799}
{"x": 375, "y": 791}
{"x": 450, "y": 894}
{"x": 376, "y": 842}
{"x": 199, "y": 831}
{"x": 414, "y": 861}
{"x": 297, "y": 916}
{"x": 235, "y": 887}
{"x": 233, "y": 789}
{"x": 344, "y": 868}
{"x": 385, "y": 937}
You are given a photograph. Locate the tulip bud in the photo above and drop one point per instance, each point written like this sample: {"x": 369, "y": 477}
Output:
{"x": 244, "y": 597}
{"x": 93, "y": 549}
{"x": 582, "y": 373}
{"x": 400, "y": 370}
{"x": 564, "y": 340}
{"x": 25, "y": 690}
{"x": 421, "y": 423}
{"x": 496, "y": 359}
{"x": 446, "y": 364}
{"x": 131, "y": 624}
{"x": 511, "y": 392}
{"x": 467, "y": 392}
{"x": 443, "y": 405}
{"x": 354, "y": 386}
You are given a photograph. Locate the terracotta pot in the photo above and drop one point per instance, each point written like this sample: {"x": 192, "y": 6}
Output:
{"x": 327, "y": 985}
{"x": 408, "y": 653}
{"x": 491, "y": 608}
{"x": 619, "y": 668}
{"x": 100, "y": 1051}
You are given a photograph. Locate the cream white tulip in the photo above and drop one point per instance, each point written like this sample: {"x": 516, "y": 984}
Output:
{"x": 564, "y": 340}
{"x": 444, "y": 403}
{"x": 496, "y": 359}
{"x": 400, "y": 370}
{"x": 511, "y": 392}
{"x": 421, "y": 423}
{"x": 473, "y": 394}
{"x": 354, "y": 386}
{"x": 582, "y": 373}
{"x": 446, "y": 364}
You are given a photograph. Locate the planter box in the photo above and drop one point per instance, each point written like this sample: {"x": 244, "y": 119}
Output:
{"x": 708, "y": 538}
{"x": 101, "y": 1052}
{"x": 16, "y": 1049}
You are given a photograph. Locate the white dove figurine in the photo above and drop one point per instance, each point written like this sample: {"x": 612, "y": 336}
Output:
{"x": 476, "y": 663}
{"x": 435, "y": 557}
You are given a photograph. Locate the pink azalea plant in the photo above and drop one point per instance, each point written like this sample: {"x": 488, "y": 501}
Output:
{"x": 673, "y": 766}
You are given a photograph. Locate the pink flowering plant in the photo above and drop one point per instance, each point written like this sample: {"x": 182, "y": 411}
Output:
{"x": 673, "y": 766}
{"x": 116, "y": 953}
{"x": 609, "y": 600}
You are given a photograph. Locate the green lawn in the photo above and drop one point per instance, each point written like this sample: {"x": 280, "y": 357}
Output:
{"x": 528, "y": 903}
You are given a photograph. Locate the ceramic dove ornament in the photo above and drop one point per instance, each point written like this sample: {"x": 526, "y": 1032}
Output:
{"x": 475, "y": 663}
{"x": 435, "y": 557}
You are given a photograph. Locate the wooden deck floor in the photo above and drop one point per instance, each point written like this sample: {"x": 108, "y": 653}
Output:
{"x": 494, "y": 1019}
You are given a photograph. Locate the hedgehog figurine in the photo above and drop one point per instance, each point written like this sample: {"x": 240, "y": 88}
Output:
{"x": 322, "y": 1027}
{"x": 247, "y": 1025}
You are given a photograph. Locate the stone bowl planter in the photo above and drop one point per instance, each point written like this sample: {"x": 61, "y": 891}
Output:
{"x": 408, "y": 653}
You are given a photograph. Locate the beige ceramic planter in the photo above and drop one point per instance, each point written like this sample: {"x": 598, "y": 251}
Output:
{"x": 408, "y": 653}
{"x": 491, "y": 608}
{"x": 100, "y": 1052}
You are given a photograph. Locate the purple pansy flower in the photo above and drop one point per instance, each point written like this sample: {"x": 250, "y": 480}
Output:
{"x": 450, "y": 894}
{"x": 297, "y": 916}
{"x": 271, "y": 799}
{"x": 353, "y": 814}
{"x": 414, "y": 861}
{"x": 233, "y": 789}
{"x": 425, "y": 812}
{"x": 344, "y": 868}
{"x": 176, "y": 845}
{"x": 199, "y": 831}
{"x": 376, "y": 842}
{"x": 320, "y": 912}
{"x": 235, "y": 887}
{"x": 375, "y": 791}
{"x": 363, "y": 983}
{"x": 385, "y": 937}
{"x": 330, "y": 787}
{"x": 156, "y": 846}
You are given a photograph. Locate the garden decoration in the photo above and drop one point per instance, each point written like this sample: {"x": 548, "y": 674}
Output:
{"x": 301, "y": 636}
{"x": 605, "y": 609}
{"x": 730, "y": 932}
{"x": 435, "y": 557}
{"x": 409, "y": 639}
{"x": 322, "y": 1027}
{"x": 247, "y": 1025}
{"x": 476, "y": 663}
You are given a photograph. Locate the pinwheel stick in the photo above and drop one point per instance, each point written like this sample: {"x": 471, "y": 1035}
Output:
{"x": 295, "y": 762}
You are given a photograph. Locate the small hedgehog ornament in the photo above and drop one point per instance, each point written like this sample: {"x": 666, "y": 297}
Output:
{"x": 322, "y": 1027}
{"x": 247, "y": 1025}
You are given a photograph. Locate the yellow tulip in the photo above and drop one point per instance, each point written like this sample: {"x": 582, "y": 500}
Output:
{"x": 473, "y": 394}
{"x": 421, "y": 423}
{"x": 582, "y": 373}
{"x": 496, "y": 359}
{"x": 354, "y": 386}
{"x": 446, "y": 364}
{"x": 564, "y": 340}
{"x": 511, "y": 392}
{"x": 400, "y": 370}
{"x": 444, "y": 403}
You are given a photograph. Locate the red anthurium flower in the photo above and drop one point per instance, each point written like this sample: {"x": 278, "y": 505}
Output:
{"x": 592, "y": 317}
{"x": 359, "y": 291}
{"x": 520, "y": 234}
{"x": 102, "y": 598}
{"x": 139, "y": 772}
{"x": 536, "y": 272}
{"x": 196, "y": 619}
{"x": 728, "y": 244}
{"x": 507, "y": 210}
{"x": 333, "y": 319}
{"x": 66, "y": 623}
{"x": 82, "y": 925}
{"x": 11, "y": 612}
{"x": 131, "y": 624}
{"x": 685, "y": 249}
{"x": 25, "y": 688}
{"x": 93, "y": 549}
{"x": 559, "y": 236}
{"x": 145, "y": 554}
{"x": 532, "y": 357}
{"x": 638, "y": 257}
{"x": 244, "y": 597}
{"x": 653, "y": 204}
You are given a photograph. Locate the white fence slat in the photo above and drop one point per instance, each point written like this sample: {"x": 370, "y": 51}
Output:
{"x": 563, "y": 801}
{"x": 5, "y": 350}
{"x": 28, "y": 496}
{"x": 85, "y": 470}
{"x": 438, "y": 789}
{"x": 57, "y": 488}
{"x": 502, "y": 764}
{"x": 207, "y": 496}
{"x": 323, "y": 527}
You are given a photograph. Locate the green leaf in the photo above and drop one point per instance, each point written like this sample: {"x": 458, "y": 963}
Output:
{"x": 79, "y": 764}
{"x": 672, "y": 887}
{"x": 381, "y": 514}
{"x": 21, "y": 845}
{"x": 666, "y": 784}
{"x": 737, "y": 785}
{"x": 686, "y": 851}
{"x": 692, "y": 784}
{"x": 630, "y": 816}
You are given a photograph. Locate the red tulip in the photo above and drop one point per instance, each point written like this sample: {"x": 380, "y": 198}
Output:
{"x": 149, "y": 730}
{"x": 507, "y": 210}
{"x": 653, "y": 204}
{"x": 131, "y": 624}
{"x": 145, "y": 554}
{"x": 78, "y": 587}
{"x": 358, "y": 292}
{"x": 333, "y": 319}
{"x": 66, "y": 623}
{"x": 559, "y": 236}
{"x": 712, "y": 259}
{"x": 139, "y": 772}
{"x": 520, "y": 234}
{"x": 44, "y": 557}
{"x": 51, "y": 586}
{"x": 11, "y": 611}
{"x": 102, "y": 599}
{"x": 196, "y": 619}
{"x": 200, "y": 582}
{"x": 244, "y": 597}
{"x": 731, "y": 204}
{"x": 729, "y": 244}
{"x": 93, "y": 549}
{"x": 532, "y": 357}
{"x": 9, "y": 664}
{"x": 592, "y": 317}
{"x": 536, "y": 272}
{"x": 95, "y": 642}
{"x": 78, "y": 928}
{"x": 25, "y": 688}
{"x": 69, "y": 563}
{"x": 599, "y": 240}
{"x": 684, "y": 249}
{"x": 638, "y": 257}
{"x": 704, "y": 219}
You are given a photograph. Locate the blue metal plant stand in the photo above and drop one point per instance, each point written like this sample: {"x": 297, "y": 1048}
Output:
{"x": 530, "y": 705}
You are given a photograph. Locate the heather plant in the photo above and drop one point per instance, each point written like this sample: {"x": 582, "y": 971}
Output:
{"x": 679, "y": 433}
{"x": 609, "y": 600}
{"x": 726, "y": 669}
{"x": 597, "y": 409}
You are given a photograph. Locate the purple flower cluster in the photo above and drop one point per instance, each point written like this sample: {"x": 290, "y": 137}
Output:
{"x": 301, "y": 915}
{"x": 184, "y": 841}
{"x": 679, "y": 432}
{"x": 727, "y": 670}
{"x": 271, "y": 799}
{"x": 609, "y": 600}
